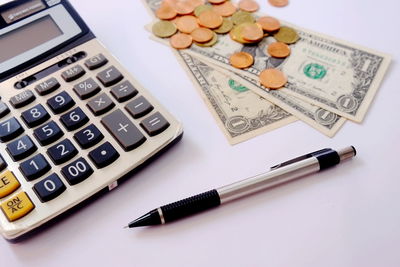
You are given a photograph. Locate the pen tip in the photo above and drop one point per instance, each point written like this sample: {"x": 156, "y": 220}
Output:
{"x": 126, "y": 227}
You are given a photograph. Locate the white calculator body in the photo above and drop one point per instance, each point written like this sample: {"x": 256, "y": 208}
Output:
{"x": 73, "y": 121}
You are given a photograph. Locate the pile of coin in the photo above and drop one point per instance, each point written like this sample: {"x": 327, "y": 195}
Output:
{"x": 198, "y": 21}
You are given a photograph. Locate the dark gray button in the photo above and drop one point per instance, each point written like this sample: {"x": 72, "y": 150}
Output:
{"x": 22, "y": 99}
{"x": 96, "y": 62}
{"x": 47, "y": 87}
{"x": 73, "y": 73}
{"x": 155, "y": 124}
{"x": 123, "y": 91}
{"x": 100, "y": 104}
{"x": 3, "y": 163}
{"x": 87, "y": 88}
{"x": 126, "y": 133}
{"x": 4, "y": 110}
{"x": 139, "y": 107}
{"x": 110, "y": 76}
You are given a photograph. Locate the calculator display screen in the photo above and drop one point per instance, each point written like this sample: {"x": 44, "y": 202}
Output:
{"x": 28, "y": 37}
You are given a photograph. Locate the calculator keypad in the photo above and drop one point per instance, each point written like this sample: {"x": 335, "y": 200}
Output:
{"x": 35, "y": 116}
{"x": 60, "y": 103}
{"x": 62, "y": 152}
{"x": 49, "y": 188}
{"x": 67, "y": 149}
{"x": 10, "y": 129}
{"x": 74, "y": 119}
{"x": 34, "y": 167}
{"x": 21, "y": 148}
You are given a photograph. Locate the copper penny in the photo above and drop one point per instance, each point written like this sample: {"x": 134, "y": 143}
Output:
{"x": 279, "y": 3}
{"x": 181, "y": 41}
{"x": 187, "y": 24}
{"x": 241, "y": 60}
{"x": 269, "y": 24}
{"x": 252, "y": 33}
{"x": 273, "y": 78}
{"x": 216, "y": 2}
{"x": 210, "y": 19}
{"x": 184, "y": 8}
{"x": 248, "y": 5}
{"x": 196, "y": 3}
{"x": 226, "y": 9}
{"x": 166, "y": 12}
{"x": 279, "y": 50}
{"x": 202, "y": 35}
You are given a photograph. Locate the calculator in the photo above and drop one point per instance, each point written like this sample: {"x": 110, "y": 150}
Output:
{"x": 73, "y": 122}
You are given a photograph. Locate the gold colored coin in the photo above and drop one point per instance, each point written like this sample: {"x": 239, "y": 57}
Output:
{"x": 273, "y": 78}
{"x": 163, "y": 29}
{"x": 252, "y": 32}
{"x": 212, "y": 42}
{"x": 226, "y": 9}
{"x": 237, "y": 33}
{"x": 187, "y": 24}
{"x": 226, "y": 26}
{"x": 210, "y": 19}
{"x": 248, "y": 5}
{"x": 202, "y": 35}
{"x": 242, "y": 17}
{"x": 286, "y": 35}
{"x": 279, "y": 50}
{"x": 279, "y": 3}
{"x": 200, "y": 9}
{"x": 184, "y": 8}
{"x": 216, "y": 2}
{"x": 181, "y": 41}
{"x": 269, "y": 24}
{"x": 241, "y": 60}
{"x": 165, "y": 12}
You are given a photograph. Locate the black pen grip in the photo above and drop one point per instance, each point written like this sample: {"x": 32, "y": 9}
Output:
{"x": 191, "y": 205}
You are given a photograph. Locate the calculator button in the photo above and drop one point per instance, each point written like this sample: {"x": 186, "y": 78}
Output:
{"x": 110, "y": 76}
{"x": 126, "y": 133}
{"x": 8, "y": 184}
{"x": 88, "y": 136}
{"x": 61, "y": 102}
{"x": 3, "y": 163}
{"x": 35, "y": 116}
{"x": 10, "y": 129}
{"x": 87, "y": 88}
{"x": 96, "y": 62}
{"x": 77, "y": 171}
{"x": 62, "y": 152}
{"x": 47, "y": 86}
{"x": 100, "y": 104}
{"x": 21, "y": 148}
{"x": 104, "y": 155}
{"x": 48, "y": 133}
{"x": 22, "y": 99}
{"x": 123, "y": 91}
{"x": 49, "y": 188}
{"x": 73, "y": 73}
{"x": 4, "y": 110}
{"x": 34, "y": 167}
{"x": 139, "y": 107}
{"x": 74, "y": 119}
{"x": 17, "y": 206}
{"x": 155, "y": 124}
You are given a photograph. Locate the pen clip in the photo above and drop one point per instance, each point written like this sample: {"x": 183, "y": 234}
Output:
{"x": 306, "y": 156}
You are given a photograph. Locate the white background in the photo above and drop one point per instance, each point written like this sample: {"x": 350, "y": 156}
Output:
{"x": 345, "y": 216}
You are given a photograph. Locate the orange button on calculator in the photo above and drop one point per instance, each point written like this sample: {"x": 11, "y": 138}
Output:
{"x": 8, "y": 184}
{"x": 17, "y": 206}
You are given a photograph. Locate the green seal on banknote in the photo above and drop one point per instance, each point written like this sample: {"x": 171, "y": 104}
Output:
{"x": 237, "y": 86}
{"x": 315, "y": 71}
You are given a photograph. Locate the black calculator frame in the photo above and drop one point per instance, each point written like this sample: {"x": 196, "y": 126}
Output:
{"x": 85, "y": 35}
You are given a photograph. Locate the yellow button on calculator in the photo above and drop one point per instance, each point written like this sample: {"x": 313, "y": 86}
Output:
{"x": 17, "y": 206}
{"x": 8, "y": 184}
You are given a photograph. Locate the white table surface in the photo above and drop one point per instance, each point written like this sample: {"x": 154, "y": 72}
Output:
{"x": 346, "y": 216}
